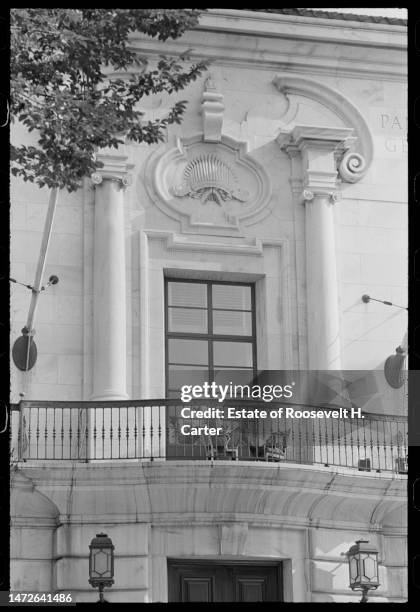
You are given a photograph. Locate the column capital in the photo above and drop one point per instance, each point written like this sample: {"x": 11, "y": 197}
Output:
{"x": 332, "y": 195}
{"x": 98, "y": 178}
{"x": 327, "y": 155}
{"x": 115, "y": 168}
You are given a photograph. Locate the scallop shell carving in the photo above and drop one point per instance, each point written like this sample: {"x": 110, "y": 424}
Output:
{"x": 210, "y": 179}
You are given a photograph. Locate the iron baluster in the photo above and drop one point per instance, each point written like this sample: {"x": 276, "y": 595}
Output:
{"x": 119, "y": 434}
{"x": 378, "y": 447}
{"x": 127, "y": 432}
{"x": 111, "y": 431}
{"x": 37, "y": 432}
{"x": 70, "y": 434}
{"x": 62, "y": 434}
{"x": 136, "y": 453}
{"x": 385, "y": 445}
{"x": 53, "y": 432}
{"x": 391, "y": 445}
{"x": 151, "y": 433}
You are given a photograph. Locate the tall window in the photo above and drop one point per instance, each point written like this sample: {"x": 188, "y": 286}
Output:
{"x": 210, "y": 332}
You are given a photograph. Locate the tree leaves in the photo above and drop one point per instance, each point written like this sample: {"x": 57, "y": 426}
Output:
{"x": 60, "y": 85}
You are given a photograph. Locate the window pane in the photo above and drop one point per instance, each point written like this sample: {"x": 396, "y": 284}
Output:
{"x": 235, "y": 376}
{"x": 187, "y": 294}
{"x": 178, "y": 376}
{"x": 233, "y": 354}
{"x": 237, "y": 297}
{"x": 188, "y": 351}
{"x": 188, "y": 320}
{"x": 232, "y": 323}
{"x": 173, "y": 395}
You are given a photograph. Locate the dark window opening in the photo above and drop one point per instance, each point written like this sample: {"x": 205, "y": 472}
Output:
{"x": 210, "y": 333}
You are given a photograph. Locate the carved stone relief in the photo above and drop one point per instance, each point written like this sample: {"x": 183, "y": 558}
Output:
{"x": 209, "y": 181}
{"x": 212, "y": 186}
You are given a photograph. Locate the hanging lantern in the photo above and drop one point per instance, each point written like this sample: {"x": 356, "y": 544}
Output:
{"x": 101, "y": 563}
{"x": 363, "y": 567}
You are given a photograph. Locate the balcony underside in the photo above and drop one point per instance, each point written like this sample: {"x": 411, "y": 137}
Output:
{"x": 180, "y": 492}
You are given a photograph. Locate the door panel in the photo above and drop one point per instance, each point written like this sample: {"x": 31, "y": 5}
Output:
{"x": 223, "y": 582}
{"x": 249, "y": 589}
{"x": 198, "y": 589}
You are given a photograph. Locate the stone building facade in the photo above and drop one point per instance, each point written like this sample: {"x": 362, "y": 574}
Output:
{"x": 287, "y": 175}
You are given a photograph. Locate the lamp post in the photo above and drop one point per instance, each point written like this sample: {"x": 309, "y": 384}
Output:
{"x": 101, "y": 564}
{"x": 363, "y": 568}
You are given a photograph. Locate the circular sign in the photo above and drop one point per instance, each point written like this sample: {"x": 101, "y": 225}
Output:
{"x": 24, "y": 353}
{"x": 394, "y": 372}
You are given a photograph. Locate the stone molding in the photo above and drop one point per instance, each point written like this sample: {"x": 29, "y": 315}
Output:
{"x": 181, "y": 242}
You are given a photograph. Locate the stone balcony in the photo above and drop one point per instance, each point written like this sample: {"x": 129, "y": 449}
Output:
{"x": 156, "y": 430}
{"x": 298, "y": 492}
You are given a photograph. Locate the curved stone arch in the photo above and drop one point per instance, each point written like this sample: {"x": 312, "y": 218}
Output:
{"x": 355, "y": 162}
{"x": 387, "y": 512}
{"x": 34, "y": 518}
{"x": 28, "y": 506}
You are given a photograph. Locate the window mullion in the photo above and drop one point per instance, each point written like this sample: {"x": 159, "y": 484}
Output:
{"x": 210, "y": 328}
{"x": 254, "y": 329}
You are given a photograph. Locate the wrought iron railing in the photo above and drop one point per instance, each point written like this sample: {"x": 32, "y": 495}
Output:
{"x": 152, "y": 430}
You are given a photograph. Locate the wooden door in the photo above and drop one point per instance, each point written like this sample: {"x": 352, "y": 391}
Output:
{"x": 222, "y": 582}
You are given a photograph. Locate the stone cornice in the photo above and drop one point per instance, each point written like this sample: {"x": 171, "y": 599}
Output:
{"x": 367, "y": 50}
{"x": 273, "y": 24}
{"x": 304, "y": 136}
{"x": 335, "y": 14}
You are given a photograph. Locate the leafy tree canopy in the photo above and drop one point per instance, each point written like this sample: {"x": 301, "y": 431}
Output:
{"x": 62, "y": 85}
